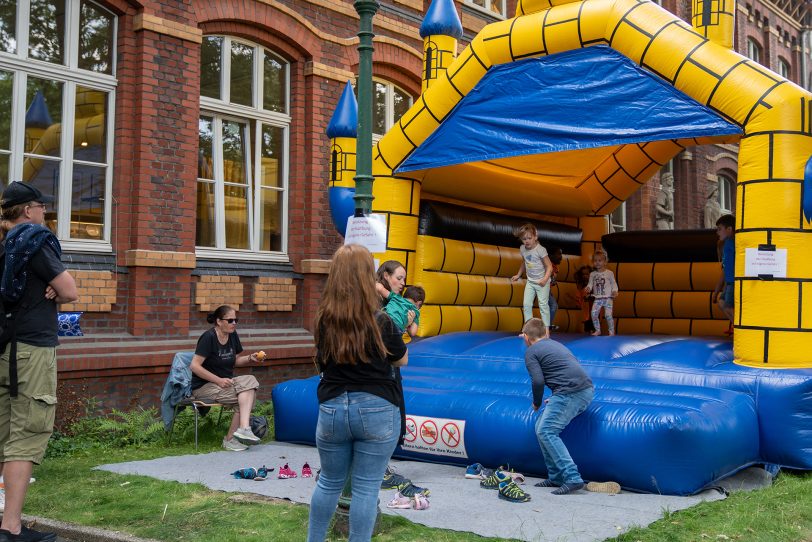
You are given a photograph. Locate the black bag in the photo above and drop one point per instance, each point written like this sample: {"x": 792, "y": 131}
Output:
{"x": 259, "y": 426}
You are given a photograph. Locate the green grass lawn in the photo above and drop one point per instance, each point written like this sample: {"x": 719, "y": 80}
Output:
{"x": 69, "y": 490}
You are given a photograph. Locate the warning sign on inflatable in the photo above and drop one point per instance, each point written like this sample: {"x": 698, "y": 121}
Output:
{"x": 439, "y": 436}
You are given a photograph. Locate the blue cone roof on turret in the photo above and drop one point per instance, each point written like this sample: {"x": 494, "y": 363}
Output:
{"x": 37, "y": 115}
{"x": 345, "y": 118}
{"x": 441, "y": 19}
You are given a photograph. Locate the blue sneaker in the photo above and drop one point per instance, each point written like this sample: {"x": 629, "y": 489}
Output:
{"x": 477, "y": 472}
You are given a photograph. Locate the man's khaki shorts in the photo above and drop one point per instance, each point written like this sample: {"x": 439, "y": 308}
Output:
{"x": 212, "y": 393}
{"x": 27, "y": 421}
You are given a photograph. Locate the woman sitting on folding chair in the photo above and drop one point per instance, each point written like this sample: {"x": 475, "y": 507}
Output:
{"x": 218, "y": 351}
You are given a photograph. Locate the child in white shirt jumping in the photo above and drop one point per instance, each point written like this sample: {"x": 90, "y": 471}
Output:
{"x": 603, "y": 288}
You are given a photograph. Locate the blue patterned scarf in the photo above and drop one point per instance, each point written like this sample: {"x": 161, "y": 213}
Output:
{"x": 22, "y": 243}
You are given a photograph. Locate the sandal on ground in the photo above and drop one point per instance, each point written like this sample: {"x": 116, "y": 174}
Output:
{"x": 509, "y": 491}
{"x": 400, "y": 502}
{"x": 518, "y": 477}
{"x": 420, "y": 502}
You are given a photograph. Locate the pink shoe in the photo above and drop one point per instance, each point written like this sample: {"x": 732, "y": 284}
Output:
{"x": 306, "y": 471}
{"x": 286, "y": 472}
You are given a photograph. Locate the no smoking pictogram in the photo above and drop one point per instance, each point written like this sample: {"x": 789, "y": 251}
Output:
{"x": 411, "y": 430}
{"x": 428, "y": 432}
{"x": 450, "y": 435}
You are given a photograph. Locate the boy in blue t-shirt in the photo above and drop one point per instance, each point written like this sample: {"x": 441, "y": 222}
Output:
{"x": 725, "y": 227}
{"x": 398, "y": 308}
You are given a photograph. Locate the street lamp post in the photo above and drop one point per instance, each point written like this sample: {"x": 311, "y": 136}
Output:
{"x": 363, "y": 182}
{"x": 363, "y": 172}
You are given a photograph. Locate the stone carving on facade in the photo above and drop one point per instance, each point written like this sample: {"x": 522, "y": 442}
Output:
{"x": 712, "y": 208}
{"x": 664, "y": 208}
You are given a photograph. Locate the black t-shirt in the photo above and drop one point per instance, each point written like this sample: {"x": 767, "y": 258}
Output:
{"x": 218, "y": 359}
{"x": 36, "y": 316}
{"x": 377, "y": 377}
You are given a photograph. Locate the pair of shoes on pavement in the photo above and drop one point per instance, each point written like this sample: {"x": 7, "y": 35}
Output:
{"x": 417, "y": 502}
{"x": 506, "y": 485}
{"x": 287, "y": 472}
{"x": 250, "y": 473}
{"x": 26, "y": 535}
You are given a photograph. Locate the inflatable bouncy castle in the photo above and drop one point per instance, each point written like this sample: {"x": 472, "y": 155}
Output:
{"x": 556, "y": 117}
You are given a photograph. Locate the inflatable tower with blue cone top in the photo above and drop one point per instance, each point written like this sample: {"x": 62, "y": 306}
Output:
{"x": 343, "y": 131}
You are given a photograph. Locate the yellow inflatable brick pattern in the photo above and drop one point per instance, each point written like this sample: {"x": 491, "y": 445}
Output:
{"x": 773, "y": 325}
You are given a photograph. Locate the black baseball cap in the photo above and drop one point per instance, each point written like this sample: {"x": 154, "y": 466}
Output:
{"x": 17, "y": 193}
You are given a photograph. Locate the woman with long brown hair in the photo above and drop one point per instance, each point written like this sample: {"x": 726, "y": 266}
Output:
{"x": 358, "y": 348}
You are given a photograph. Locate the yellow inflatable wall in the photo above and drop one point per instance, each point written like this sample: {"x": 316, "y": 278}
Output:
{"x": 772, "y": 323}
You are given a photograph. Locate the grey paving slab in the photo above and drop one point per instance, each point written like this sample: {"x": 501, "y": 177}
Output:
{"x": 456, "y": 503}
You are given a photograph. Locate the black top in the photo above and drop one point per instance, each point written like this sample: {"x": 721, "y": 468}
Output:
{"x": 36, "y": 318}
{"x": 377, "y": 377}
{"x": 218, "y": 359}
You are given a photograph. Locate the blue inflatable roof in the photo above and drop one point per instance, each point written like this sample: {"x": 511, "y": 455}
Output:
{"x": 441, "y": 19}
{"x": 344, "y": 122}
{"x": 37, "y": 115}
{"x": 585, "y": 98}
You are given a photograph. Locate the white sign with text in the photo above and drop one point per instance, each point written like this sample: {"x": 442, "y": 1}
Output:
{"x": 439, "y": 436}
{"x": 765, "y": 262}
{"x": 368, "y": 231}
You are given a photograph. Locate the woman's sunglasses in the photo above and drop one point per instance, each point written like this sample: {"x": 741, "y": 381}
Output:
{"x": 230, "y": 320}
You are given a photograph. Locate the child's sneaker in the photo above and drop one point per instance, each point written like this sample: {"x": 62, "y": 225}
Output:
{"x": 509, "y": 491}
{"x": 410, "y": 490}
{"x": 493, "y": 481}
{"x": 477, "y": 472}
{"x": 393, "y": 480}
{"x": 287, "y": 472}
{"x": 307, "y": 472}
{"x": 610, "y": 488}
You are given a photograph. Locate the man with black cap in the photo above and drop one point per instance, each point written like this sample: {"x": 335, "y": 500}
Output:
{"x": 33, "y": 281}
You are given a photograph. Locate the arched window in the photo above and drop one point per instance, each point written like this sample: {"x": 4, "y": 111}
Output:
{"x": 243, "y": 151}
{"x": 389, "y": 103}
{"x": 753, "y": 50}
{"x": 726, "y": 192}
{"x": 783, "y": 68}
{"x": 57, "y": 91}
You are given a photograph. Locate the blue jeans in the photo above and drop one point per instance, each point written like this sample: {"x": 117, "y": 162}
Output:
{"x": 356, "y": 433}
{"x": 558, "y": 412}
{"x": 533, "y": 290}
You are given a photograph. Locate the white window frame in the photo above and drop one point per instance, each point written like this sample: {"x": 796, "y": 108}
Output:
{"x": 753, "y": 50}
{"x": 725, "y": 206}
{"x": 390, "y": 106}
{"x": 71, "y": 76}
{"x": 619, "y": 213}
{"x": 487, "y": 8}
{"x": 223, "y": 110}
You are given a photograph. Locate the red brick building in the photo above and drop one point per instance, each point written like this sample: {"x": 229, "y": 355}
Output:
{"x": 184, "y": 142}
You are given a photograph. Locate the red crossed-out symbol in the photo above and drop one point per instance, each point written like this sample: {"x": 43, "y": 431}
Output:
{"x": 428, "y": 432}
{"x": 450, "y": 434}
{"x": 411, "y": 430}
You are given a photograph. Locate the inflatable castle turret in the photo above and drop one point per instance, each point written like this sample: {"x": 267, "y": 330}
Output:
{"x": 440, "y": 31}
{"x": 715, "y": 20}
{"x": 343, "y": 132}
